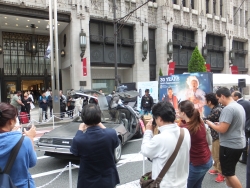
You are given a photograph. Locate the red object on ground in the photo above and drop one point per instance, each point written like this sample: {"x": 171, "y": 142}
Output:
{"x": 234, "y": 70}
{"x": 84, "y": 66}
{"x": 171, "y": 68}
{"x": 24, "y": 117}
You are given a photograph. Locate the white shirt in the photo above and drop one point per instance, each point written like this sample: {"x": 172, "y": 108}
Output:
{"x": 31, "y": 97}
{"x": 160, "y": 147}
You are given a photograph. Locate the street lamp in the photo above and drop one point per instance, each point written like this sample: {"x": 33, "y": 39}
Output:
{"x": 144, "y": 49}
{"x": 231, "y": 56}
{"x": 1, "y": 49}
{"x": 204, "y": 51}
{"x": 62, "y": 53}
{"x": 169, "y": 50}
{"x": 33, "y": 47}
{"x": 83, "y": 42}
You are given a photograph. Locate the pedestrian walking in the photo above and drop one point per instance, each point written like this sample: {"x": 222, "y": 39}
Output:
{"x": 213, "y": 104}
{"x": 17, "y": 102}
{"x": 200, "y": 155}
{"x": 232, "y": 138}
{"x": 43, "y": 105}
{"x": 63, "y": 101}
{"x": 26, "y": 157}
{"x": 155, "y": 147}
{"x": 237, "y": 96}
{"x": 146, "y": 103}
{"x": 50, "y": 103}
{"x": 95, "y": 144}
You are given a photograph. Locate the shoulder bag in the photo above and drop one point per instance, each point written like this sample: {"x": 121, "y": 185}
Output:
{"x": 146, "y": 180}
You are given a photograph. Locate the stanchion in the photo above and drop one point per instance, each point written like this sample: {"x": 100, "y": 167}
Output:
{"x": 53, "y": 120}
{"x": 143, "y": 165}
{"x": 70, "y": 175}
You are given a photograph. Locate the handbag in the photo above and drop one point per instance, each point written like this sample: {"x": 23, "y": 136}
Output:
{"x": 146, "y": 180}
{"x": 32, "y": 106}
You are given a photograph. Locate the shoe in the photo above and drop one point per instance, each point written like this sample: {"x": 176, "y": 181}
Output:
{"x": 213, "y": 172}
{"x": 220, "y": 178}
{"x": 241, "y": 161}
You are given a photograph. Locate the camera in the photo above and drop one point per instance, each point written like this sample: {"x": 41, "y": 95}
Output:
{"x": 154, "y": 123}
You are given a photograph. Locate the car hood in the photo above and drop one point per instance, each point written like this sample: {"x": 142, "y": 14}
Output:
{"x": 69, "y": 131}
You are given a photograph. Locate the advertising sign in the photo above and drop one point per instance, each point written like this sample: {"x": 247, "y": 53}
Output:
{"x": 234, "y": 70}
{"x": 84, "y": 66}
{"x": 153, "y": 91}
{"x": 171, "y": 68}
{"x": 191, "y": 86}
{"x": 208, "y": 67}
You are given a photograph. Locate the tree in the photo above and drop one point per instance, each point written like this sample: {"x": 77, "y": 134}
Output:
{"x": 160, "y": 73}
{"x": 196, "y": 62}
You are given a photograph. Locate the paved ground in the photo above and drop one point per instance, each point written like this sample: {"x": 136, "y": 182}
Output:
{"x": 130, "y": 169}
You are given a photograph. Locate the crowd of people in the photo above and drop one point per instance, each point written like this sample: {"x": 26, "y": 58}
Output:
{"x": 229, "y": 121}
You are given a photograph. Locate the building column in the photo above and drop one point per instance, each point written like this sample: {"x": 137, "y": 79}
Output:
{"x": 1, "y": 55}
{"x": 77, "y": 67}
{"x": 140, "y": 68}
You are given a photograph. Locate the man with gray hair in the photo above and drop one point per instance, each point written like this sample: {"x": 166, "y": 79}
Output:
{"x": 237, "y": 96}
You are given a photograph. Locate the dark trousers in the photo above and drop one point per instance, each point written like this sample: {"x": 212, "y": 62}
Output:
{"x": 244, "y": 153}
{"x": 44, "y": 108}
{"x": 50, "y": 110}
{"x": 248, "y": 166}
{"x": 70, "y": 111}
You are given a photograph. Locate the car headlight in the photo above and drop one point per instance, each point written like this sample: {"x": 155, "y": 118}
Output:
{"x": 46, "y": 140}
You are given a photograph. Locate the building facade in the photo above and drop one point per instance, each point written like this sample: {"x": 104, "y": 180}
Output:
{"x": 216, "y": 25}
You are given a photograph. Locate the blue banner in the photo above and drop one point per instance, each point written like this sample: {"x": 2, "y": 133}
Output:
{"x": 191, "y": 86}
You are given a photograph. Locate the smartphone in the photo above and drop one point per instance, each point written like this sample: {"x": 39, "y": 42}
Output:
{"x": 27, "y": 128}
{"x": 154, "y": 123}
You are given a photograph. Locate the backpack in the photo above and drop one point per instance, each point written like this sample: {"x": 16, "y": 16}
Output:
{"x": 5, "y": 180}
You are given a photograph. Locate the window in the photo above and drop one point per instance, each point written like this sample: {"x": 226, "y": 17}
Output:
{"x": 107, "y": 85}
{"x": 238, "y": 45}
{"x": 235, "y": 16}
{"x": 174, "y": 1}
{"x": 184, "y": 3}
{"x": 207, "y": 6}
{"x": 192, "y": 3}
{"x": 185, "y": 35}
{"x": 214, "y": 7}
{"x": 214, "y": 40}
{"x": 221, "y": 8}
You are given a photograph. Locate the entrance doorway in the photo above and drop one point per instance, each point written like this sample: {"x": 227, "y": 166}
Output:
{"x": 32, "y": 85}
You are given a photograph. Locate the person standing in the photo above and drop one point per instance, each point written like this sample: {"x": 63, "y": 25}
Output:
{"x": 95, "y": 145}
{"x": 71, "y": 106}
{"x": 232, "y": 137}
{"x": 9, "y": 136}
{"x": 17, "y": 102}
{"x": 146, "y": 102}
{"x": 26, "y": 101}
{"x": 63, "y": 101}
{"x": 155, "y": 147}
{"x": 43, "y": 104}
{"x": 50, "y": 103}
{"x": 237, "y": 96}
{"x": 200, "y": 155}
{"x": 213, "y": 104}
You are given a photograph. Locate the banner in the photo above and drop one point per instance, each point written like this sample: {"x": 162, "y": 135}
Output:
{"x": 153, "y": 91}
{"x": 47, "y": 52}
{"x": 234, "y": 69}
{"x": 208, "y": 67}
{"x": 84, "y": 66}
{"x": 171, "y": 67}
{"x": 191, "y": 86}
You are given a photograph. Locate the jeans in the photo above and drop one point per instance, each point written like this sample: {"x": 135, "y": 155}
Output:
{"x": 197, "y": 173}
{"x": 146, "y": 111}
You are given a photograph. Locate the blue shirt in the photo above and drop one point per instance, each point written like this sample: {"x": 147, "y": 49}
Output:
{"x": 25, "y": 159}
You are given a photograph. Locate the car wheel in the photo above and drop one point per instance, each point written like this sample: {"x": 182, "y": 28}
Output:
{"x": 118, "y": 152}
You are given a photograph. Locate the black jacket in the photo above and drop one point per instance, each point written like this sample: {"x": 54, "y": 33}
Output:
{"x": 246, "y": 105}
{"x": 147, "y": 102}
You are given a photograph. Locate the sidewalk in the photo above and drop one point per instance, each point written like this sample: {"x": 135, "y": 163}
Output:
{"x": 34, "y": 114}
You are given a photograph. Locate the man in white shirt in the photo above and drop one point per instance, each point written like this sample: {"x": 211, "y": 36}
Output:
{"x": 160, "y": 147}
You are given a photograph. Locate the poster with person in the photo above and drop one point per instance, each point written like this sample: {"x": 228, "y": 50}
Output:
{"x": 153, "y": 91}
{"x": 191, "y": 86}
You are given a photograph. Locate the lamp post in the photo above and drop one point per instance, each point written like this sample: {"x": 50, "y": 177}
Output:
{"x": 169, "y": 50}
{"x": 204, "y": 51}
{"x": 231, "y": 57}
{"x": 144, "y": 49}
{"x": 83, "y": 42}
{"x": 1, "y": 49}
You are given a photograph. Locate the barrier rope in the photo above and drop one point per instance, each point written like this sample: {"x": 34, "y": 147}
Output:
{"x": 60, "y": 173}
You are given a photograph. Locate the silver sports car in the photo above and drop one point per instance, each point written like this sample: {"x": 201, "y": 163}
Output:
{"x": 123, "y": 118}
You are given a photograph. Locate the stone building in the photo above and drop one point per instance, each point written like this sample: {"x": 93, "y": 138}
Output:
{"x": 216, "y": 25}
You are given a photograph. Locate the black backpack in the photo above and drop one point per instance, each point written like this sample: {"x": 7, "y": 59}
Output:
{"x": 5, "y": 180}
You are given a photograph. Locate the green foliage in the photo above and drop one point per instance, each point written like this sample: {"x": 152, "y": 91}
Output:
{"x": 160, "y": 73}
{"x": 196, "y": 62}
